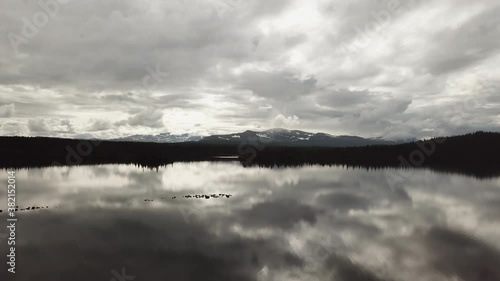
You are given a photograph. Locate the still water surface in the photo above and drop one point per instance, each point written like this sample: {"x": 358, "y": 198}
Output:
{"x": 308, "y": 223}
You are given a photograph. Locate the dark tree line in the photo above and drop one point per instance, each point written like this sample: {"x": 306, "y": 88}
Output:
{"x": 474, "y": 154}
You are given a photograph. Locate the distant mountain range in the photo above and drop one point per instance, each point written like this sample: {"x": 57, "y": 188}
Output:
{"x": 161, "y": 138}
{"x": 274, "y": 136}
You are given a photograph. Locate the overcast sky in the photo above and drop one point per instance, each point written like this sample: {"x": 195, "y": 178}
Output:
{"x": 108, "y": 68}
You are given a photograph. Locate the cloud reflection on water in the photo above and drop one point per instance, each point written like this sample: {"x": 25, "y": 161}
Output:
{"x": 308, "y": 223}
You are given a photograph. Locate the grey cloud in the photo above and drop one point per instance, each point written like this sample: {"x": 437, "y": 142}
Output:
{"x": 344, "y": 97}
{"x": 344, "y": 202}
{"x": 100, "y": 125}
{"x": 10, "y": 128}
{"x": 7, "y": 110}
{"x": 114, "y": 52}
{"x": 282, "y": 86}
{"x": 456, "y": 48}
{"x": 359, "y": 18}
{"x": 446, "y": 257}
{"x": 147, "y": 118}
{"x": 295, "y": 39}
{"x": 46, "y": 127}
{"x": 37, "y": 126}
{"x": 282, "y": 213}
{"x": 347, "y": 270}
{"x": 68, "y": 127}
{"x": 260, "y": 61}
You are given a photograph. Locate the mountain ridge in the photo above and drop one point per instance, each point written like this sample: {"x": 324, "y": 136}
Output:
{"x": 278, "y": 136}
{"x": 161, "y": 138}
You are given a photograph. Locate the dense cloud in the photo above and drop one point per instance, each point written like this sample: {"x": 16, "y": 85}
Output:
{"x": 146, "y": 118}
{"x": 385, "y": 68}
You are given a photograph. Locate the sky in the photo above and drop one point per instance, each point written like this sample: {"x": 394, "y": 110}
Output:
{"x": 112, "y": 68}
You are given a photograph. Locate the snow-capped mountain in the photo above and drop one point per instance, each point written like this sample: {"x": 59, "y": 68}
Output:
{"x": 297, "y": 138}
{"x": 162, "y": 138}
{"x": 274, "y": 136}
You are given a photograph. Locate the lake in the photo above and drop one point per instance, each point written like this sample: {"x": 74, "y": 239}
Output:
{"x": 123, "y": 222}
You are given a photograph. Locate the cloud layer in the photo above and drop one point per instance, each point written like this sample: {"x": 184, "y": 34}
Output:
{"x": 113, "y": 68}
